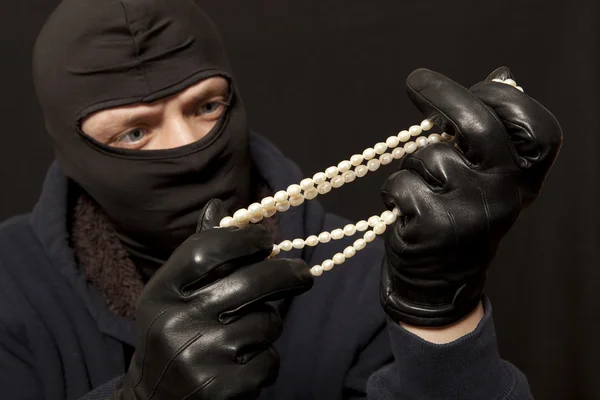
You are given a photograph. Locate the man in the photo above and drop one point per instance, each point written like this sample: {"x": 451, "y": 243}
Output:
{"x": 148, "y": 128}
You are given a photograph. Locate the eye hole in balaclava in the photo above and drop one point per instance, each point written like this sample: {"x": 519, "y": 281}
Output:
{"x": 175, "y": 121}
{"x": 94, "y": 55}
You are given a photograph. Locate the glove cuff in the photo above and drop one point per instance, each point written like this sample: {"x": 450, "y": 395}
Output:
{"x": 420, "y": 313}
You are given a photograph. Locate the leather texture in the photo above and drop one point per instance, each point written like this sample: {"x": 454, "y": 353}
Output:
{"x": 204, "y": 328}
{"x": 459, "y": 199}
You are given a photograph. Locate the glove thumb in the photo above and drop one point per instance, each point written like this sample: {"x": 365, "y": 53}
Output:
{"x": 500, "y": 73}
{"x": 211, "y": 215}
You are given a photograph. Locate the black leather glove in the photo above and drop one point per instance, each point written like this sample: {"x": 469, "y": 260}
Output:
{"x": 459, "y": 199}
{"x": 204, "y": 330}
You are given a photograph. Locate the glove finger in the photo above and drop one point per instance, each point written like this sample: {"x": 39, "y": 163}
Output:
{"x": 244, "y": 381}
{"x": 478, "y": 132}
{"x": 209, "y": 255}
{"x": 408, "y": 191}
{"x": 211, "y": 215}
{"x": 269, "y": 280}
{"x": 250, "y": 378}
{"x": 439, "y": 165}
{"x": 250, "y": 334}
{"x": 190, "y": 364}
{"x": 534, "y": 132}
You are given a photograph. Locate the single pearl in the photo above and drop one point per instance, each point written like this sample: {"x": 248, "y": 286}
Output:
{"x": 296, "y": 200}
{"x": 241, "y": 216}
{"x": 396, "y": 212}
{"x": 369, "y": 153}
{"x": 311, "y": 193}
{"x": 337, "y": 181}
{"x": 392, "y": 142}
{"x": 286, "y": 245}
{"x": 521, "y": 89}
{"x": 404, "y": 136}
{"x": 349, "y": 230}
{"x": 386, "y": 158}
{"x": 362, "y": 225}
{"x": 421, "y": 141}
{"x": 275, "y": 251}
{"x": 319, "y": 178}
{"x": 298, "y": 243}
{"x": 373, "y": 220}
{"x": 317, "y": 270}
{"x": 446, "y": 137}
{"x": 361, "y": 171}
{"x": 373, "y": 165}
{"x": 369, "y": 236}
{"x": 281, "y": 196}
{"x": 379, "y": 228}
{"x": 337, "y": 234}
{"x": 359, "y": 244}
{"x": 268, "y": 202}
{"x": 269, "y": 212}
{"x": 327, "y": 265}
{"x": 324, "y": 237}
{"x": 307, "y": 184}
{"x": 349, "y": 176}
{"x": 338, "y": 259}
{"x": 344, "y": 166}
{"x": 226, "y": 222}
{"x": 356, "y": 159}
{"x": 283, "y": 206}
{"x": 256, "y": 219}
{"x": 380, "y": 148}
{"x": 331, "y": 172}
{"x": 311, "y": 241}
{"x": 294, "y": 190}
{"x": 398, "y": 153}
{"x": 415, "y": 130}
{"x": 434, "y": 138}
{"x": 324, "y": 188}
{"x": 410, "y": 147}
{"x": 349, "y": 252}
{"x": 510, "y": 82}
{"x": 255, "y": 210}
{"x": 388, "y": 217}
{"x": 497, "y": 80}
{"x": 426, "y": 125}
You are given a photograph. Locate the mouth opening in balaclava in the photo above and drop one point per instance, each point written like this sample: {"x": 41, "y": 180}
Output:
{"x": 93, "y": 55}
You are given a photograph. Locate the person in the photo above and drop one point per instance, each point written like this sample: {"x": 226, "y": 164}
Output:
{"x": 117, "y": 284}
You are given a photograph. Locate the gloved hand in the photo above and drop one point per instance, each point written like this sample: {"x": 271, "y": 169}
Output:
{"x": 204, "y": 330}
{"x": 458, "y": 201}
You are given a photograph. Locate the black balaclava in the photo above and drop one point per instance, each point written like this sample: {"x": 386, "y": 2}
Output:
{"x": 97, "y": 54}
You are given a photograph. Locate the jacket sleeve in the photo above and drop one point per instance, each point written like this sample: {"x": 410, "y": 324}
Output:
{"x": 18, "y": 380}
{"x": 469, "y": 368}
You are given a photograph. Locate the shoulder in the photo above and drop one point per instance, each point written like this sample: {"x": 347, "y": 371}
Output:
{"x": 18, "y": 241}
{"x": 18, "y": 250}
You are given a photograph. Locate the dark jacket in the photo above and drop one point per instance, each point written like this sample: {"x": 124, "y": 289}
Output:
{"x": 59, "y": 341}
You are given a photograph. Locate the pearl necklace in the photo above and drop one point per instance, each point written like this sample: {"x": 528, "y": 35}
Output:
{"x": 334, "y": 177}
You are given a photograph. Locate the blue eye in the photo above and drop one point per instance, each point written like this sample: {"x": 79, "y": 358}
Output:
{"x": 211, "y": 107}
{"x": 132, "y": 136}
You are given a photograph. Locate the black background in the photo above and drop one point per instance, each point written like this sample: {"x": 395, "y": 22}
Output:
{"x": 325, "y": 79}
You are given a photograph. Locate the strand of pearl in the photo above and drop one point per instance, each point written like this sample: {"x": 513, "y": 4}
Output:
{"x": 335, "y": 177}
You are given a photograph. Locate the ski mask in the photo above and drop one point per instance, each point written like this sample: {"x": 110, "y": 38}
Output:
{"x": 97, "y": 54}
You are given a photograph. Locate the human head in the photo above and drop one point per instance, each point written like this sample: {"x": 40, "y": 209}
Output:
{"x": 94, "y": 56}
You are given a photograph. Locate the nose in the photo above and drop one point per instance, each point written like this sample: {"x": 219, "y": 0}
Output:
{"x": 178, "y": 131}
